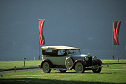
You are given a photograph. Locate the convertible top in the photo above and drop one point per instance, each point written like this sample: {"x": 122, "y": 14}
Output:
{"x": 58, "y": 47}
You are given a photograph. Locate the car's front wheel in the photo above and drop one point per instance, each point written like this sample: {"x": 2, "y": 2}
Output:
{"x": 98, "y": 70}
{"x": 98, "y": 65}
{"x": 79, "y": 67}
{"x": 46, "y": 67}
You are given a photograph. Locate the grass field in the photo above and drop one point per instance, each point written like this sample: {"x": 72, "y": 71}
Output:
{"x": 113, "y": 74}
{"x": 9, "y": 65}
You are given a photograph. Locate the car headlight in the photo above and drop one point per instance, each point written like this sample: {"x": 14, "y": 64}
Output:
{"x": 94, "y": 58}
{"x": 86, "y": 58}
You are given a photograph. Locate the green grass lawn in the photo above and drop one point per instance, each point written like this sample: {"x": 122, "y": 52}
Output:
{"x": 114, "y": 61}
{"x": 8, "y": 65}
{"x": 114, "y": 74}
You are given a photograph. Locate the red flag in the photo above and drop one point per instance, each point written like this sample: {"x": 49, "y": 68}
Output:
{"x": 41, "y": 36}
{"x": 116, "y": 27}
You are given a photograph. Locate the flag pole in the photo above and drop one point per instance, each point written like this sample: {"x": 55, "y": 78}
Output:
{"x": 39, "y": 45}
{"x": 112, "y": 44}
{"x": 39, "y": 51}
{"x": 113, "y": 55}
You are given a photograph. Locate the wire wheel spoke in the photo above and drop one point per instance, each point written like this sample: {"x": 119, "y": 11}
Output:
{"x": 79, "y": 68}
{"x": 46, "y": 67}
{"x": 68, "y": 63}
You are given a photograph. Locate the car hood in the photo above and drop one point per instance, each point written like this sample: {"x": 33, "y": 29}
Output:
{"x": 80, "y": 55}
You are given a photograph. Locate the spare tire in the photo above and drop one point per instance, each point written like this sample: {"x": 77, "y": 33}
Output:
{"x": 68, "y": 63}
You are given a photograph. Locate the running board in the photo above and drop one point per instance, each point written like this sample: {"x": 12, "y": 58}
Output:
{"x": 58, "y": 68}
{"x": 93, "y": 67}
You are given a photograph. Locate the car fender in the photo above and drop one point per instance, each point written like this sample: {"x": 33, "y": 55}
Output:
{"x": 47, "y": 60}
{"x": 79, "y": 60}
{"x": 97, "y": 61}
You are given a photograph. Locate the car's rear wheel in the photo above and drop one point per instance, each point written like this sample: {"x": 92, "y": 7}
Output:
{"x": 62, "y": 71}
{"x": 79, "y": 67}
{"x": 46, "y": 67}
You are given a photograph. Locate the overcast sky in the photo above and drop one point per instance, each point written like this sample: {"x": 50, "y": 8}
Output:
{"x": 86, "y": 24}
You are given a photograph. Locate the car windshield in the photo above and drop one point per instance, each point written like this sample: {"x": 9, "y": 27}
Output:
{"x": 73, "y": 51}
{"x": 68, "y": 52}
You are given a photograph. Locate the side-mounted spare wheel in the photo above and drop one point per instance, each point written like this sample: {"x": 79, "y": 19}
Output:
{"x": 46, "y": 67}
{"x": 98, "y": 64}
{"x": 69, "y": 63}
